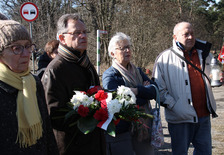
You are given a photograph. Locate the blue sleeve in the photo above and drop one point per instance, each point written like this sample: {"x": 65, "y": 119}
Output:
{"x": 146, "y": 92}
{"x": 111, "y": 80}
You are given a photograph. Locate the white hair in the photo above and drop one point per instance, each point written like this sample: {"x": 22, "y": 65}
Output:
{"x": 119, "y": 36}
{"x": 177, "y": 27}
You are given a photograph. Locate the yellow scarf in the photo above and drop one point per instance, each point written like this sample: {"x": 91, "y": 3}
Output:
{"x": 28, "y": 114}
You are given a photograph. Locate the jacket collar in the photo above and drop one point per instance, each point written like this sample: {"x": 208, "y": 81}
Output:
{"x": 7, "y": 88}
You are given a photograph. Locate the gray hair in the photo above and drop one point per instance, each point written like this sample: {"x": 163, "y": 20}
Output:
{"x": 62, "y": 23}
{"x": 119, "y": 36}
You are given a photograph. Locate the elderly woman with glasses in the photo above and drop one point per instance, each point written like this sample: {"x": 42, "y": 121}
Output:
{"x": 25, "y": 124}
{"x": 123, "y": 72}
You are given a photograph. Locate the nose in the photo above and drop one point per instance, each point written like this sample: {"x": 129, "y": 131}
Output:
{"x": 82, "y": 35}
{"x": 128, "y": 49}
{"x": 190, "y": 36}
{"x": 26, "y": 52}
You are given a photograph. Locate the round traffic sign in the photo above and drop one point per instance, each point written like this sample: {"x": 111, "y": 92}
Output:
{"x": 29, "y": 11}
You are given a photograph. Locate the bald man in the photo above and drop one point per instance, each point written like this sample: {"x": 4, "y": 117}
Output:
{"x": 185, "y": 92}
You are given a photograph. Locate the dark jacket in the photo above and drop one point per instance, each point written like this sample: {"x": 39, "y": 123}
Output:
{"x": 9, "y": 126}
{"x": 112, "y": 79}
{"x": 60, "y": 79}
{"x": 43, "y": 61}
{"x": 42, "y": 64}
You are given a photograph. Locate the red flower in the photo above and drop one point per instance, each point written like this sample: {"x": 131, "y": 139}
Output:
{"x": 83, "y": 111}
{"x": 101, "y": 115}
{"x": 100, "y": 95}
{"x": 94, "y": 90}
{"x": 83, "y": 92}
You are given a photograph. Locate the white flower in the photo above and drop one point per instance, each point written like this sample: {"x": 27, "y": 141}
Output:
{"x": 81, "y": 98}
{"x": 126, "y": 95}
{"x": 113, "y": 106}
{"x": 76, "y": 105}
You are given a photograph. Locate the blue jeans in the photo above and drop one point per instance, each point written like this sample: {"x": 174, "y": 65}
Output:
{"x": 199, "y": 134}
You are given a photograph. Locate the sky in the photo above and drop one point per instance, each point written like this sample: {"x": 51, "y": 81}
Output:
{"x": 3, "y": 11}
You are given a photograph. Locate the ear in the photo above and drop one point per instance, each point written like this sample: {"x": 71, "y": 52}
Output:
{"x": 61, "y": 38}
{"x": 112, "y": 54}
{"x": 174, "y": 37}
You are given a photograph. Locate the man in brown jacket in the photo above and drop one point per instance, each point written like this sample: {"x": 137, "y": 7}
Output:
{"x": 71, "y": 70}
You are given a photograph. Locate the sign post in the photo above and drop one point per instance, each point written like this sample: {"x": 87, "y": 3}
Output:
{"x": 29, "y": 12}
{"x": 98, "y": 49}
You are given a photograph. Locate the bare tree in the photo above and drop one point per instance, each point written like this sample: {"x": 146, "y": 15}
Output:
{"x": 148, "y": 22}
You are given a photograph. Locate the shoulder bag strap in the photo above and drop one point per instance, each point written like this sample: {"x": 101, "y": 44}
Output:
{"x": 157, "y": 106}
{"x": 188, "y": 62}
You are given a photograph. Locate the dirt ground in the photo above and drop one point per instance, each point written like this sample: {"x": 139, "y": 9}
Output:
{"x": 217, "y": 128}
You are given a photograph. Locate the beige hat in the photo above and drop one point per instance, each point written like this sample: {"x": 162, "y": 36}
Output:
{"x": 11, "y": 31}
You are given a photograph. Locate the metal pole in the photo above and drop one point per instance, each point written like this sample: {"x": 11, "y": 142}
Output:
{"x": 98, "y": 52}
{"x": 33, "y": 54}
{"x": 98, "y": 49}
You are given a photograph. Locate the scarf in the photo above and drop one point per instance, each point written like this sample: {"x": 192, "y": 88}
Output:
{"x": 131, "y": 75}
{"x": 28, "y": 114}
{"x": 132, "y": 78}
{"x": 83, "y": 61}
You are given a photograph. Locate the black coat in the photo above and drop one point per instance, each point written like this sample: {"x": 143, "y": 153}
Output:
{"x": 60, "y": 79}
{"x": 9, "y": 125}
{"x": 43, "y": 62}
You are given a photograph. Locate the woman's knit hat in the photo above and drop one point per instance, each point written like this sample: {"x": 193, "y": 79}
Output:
{"x": 11, "y": 31}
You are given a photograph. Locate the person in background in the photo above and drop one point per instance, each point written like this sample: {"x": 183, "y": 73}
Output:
{"x": 185, "y": 92}
{"x": 71, "y": 70}
{"x": 51, "y": 50}
{"x": 25, "y": 123}
{"x": 123, "y": 72}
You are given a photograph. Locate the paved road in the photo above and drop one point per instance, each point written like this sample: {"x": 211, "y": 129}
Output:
{"x": 217, "y": 128}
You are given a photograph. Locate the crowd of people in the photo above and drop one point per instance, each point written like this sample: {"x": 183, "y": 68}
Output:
{"x": 30, "y": 103}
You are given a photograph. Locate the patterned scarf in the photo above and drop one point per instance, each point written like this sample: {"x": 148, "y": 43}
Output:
{"x": 68, "y": 53}
{"x": 28, "y": 114}
{"x": 131, "y": 76}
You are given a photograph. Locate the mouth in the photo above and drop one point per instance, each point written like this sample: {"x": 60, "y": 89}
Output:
{"x": 25, "y": 62}
{"x": 83, "y": 42}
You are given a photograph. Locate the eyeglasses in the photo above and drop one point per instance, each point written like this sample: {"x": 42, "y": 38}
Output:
{"x": 124, "y": 49}
{"x": 77, "y": 33}
{"x": 18, "y": 49}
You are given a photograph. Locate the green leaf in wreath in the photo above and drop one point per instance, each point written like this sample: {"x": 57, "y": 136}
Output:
{"x": 111, "y": 129}
{"x": 87, "y": 124}
{"x": 70, "y": 114}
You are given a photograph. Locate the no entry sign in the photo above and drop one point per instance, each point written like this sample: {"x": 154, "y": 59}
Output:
{"x": 29, "y": 11}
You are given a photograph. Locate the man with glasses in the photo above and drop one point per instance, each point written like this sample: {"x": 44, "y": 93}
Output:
{"x": 71, "y": 70}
